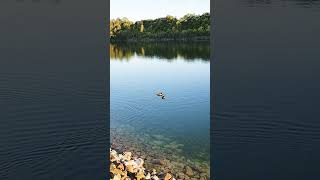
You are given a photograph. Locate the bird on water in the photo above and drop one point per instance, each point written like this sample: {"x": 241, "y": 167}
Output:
{"x": 161, "y": 95}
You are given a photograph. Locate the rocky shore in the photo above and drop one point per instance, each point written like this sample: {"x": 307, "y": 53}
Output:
{"x": 131, "y": 159}
{"x": 126, "y": 167}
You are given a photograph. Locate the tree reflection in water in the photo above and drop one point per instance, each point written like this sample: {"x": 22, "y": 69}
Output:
{"x": 167, "y": 51}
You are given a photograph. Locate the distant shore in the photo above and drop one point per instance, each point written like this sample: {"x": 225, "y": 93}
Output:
{"x": 185, "y": 39}
{"x": 190, "y": 27}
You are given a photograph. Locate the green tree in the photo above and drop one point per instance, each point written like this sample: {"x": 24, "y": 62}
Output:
{"x": 190, "y": 26}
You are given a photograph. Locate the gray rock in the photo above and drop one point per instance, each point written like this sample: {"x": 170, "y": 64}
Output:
{"x": 181, "y": 175}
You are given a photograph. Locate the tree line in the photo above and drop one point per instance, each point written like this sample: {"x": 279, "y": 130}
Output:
{"x": 189, "y": 27}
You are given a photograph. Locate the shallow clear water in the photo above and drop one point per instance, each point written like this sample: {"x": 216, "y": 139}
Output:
{"x": 182, "y": 73}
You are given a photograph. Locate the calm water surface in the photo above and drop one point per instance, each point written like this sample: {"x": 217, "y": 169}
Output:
{"x": 182, "y": 72}
{"x": 266, "y": 90}
{"x": 53, "y": 84}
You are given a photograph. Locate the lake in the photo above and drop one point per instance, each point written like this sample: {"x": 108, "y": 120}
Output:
{"x": 175, "y": 127}
{"x": 53, "y": 90}
{"x": 266, "y": 90}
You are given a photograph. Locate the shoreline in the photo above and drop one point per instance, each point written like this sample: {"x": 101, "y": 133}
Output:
{"x": 193, "y": 39}
{"x": 159, "y": 161}
{"x": 129, "y": 166}
{"x": 125, "y": 166}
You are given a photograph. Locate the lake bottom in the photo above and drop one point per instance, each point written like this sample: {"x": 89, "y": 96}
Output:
{"x": 159, "y": 153}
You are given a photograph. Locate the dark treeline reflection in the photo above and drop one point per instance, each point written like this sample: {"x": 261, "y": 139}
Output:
{"x": 168, "y": 51}
{"x": 300, "y": 3}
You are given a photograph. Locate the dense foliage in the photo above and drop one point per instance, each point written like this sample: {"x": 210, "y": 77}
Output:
{"x": 189, "y": 27}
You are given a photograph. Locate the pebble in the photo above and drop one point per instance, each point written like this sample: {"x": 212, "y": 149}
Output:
{"x": 188, "y": 171}
{"x": 168, "y": 176}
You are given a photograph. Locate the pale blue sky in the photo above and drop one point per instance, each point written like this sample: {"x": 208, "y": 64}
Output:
{"x": 149, "y": 9}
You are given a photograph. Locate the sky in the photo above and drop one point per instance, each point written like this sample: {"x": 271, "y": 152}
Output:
{"x": 150, "y": 9}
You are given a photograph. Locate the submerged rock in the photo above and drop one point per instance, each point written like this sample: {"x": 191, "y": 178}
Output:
{"x": 158, "y": 161}
{"x": 153, "y": 172}
{"x": 140, "y": 175}
{"x": 148, "y": 176}
{"x": 155, "y": 177}
{"x": 203, "y": 178}
{"x": 124, "y": 167}
{"x": 168, "y": 176}
{"x": 127, "y": 156}
{"x": 188, "y": 171}
{"x": 181, "y": 175}
{"x": 117, "y": 177}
